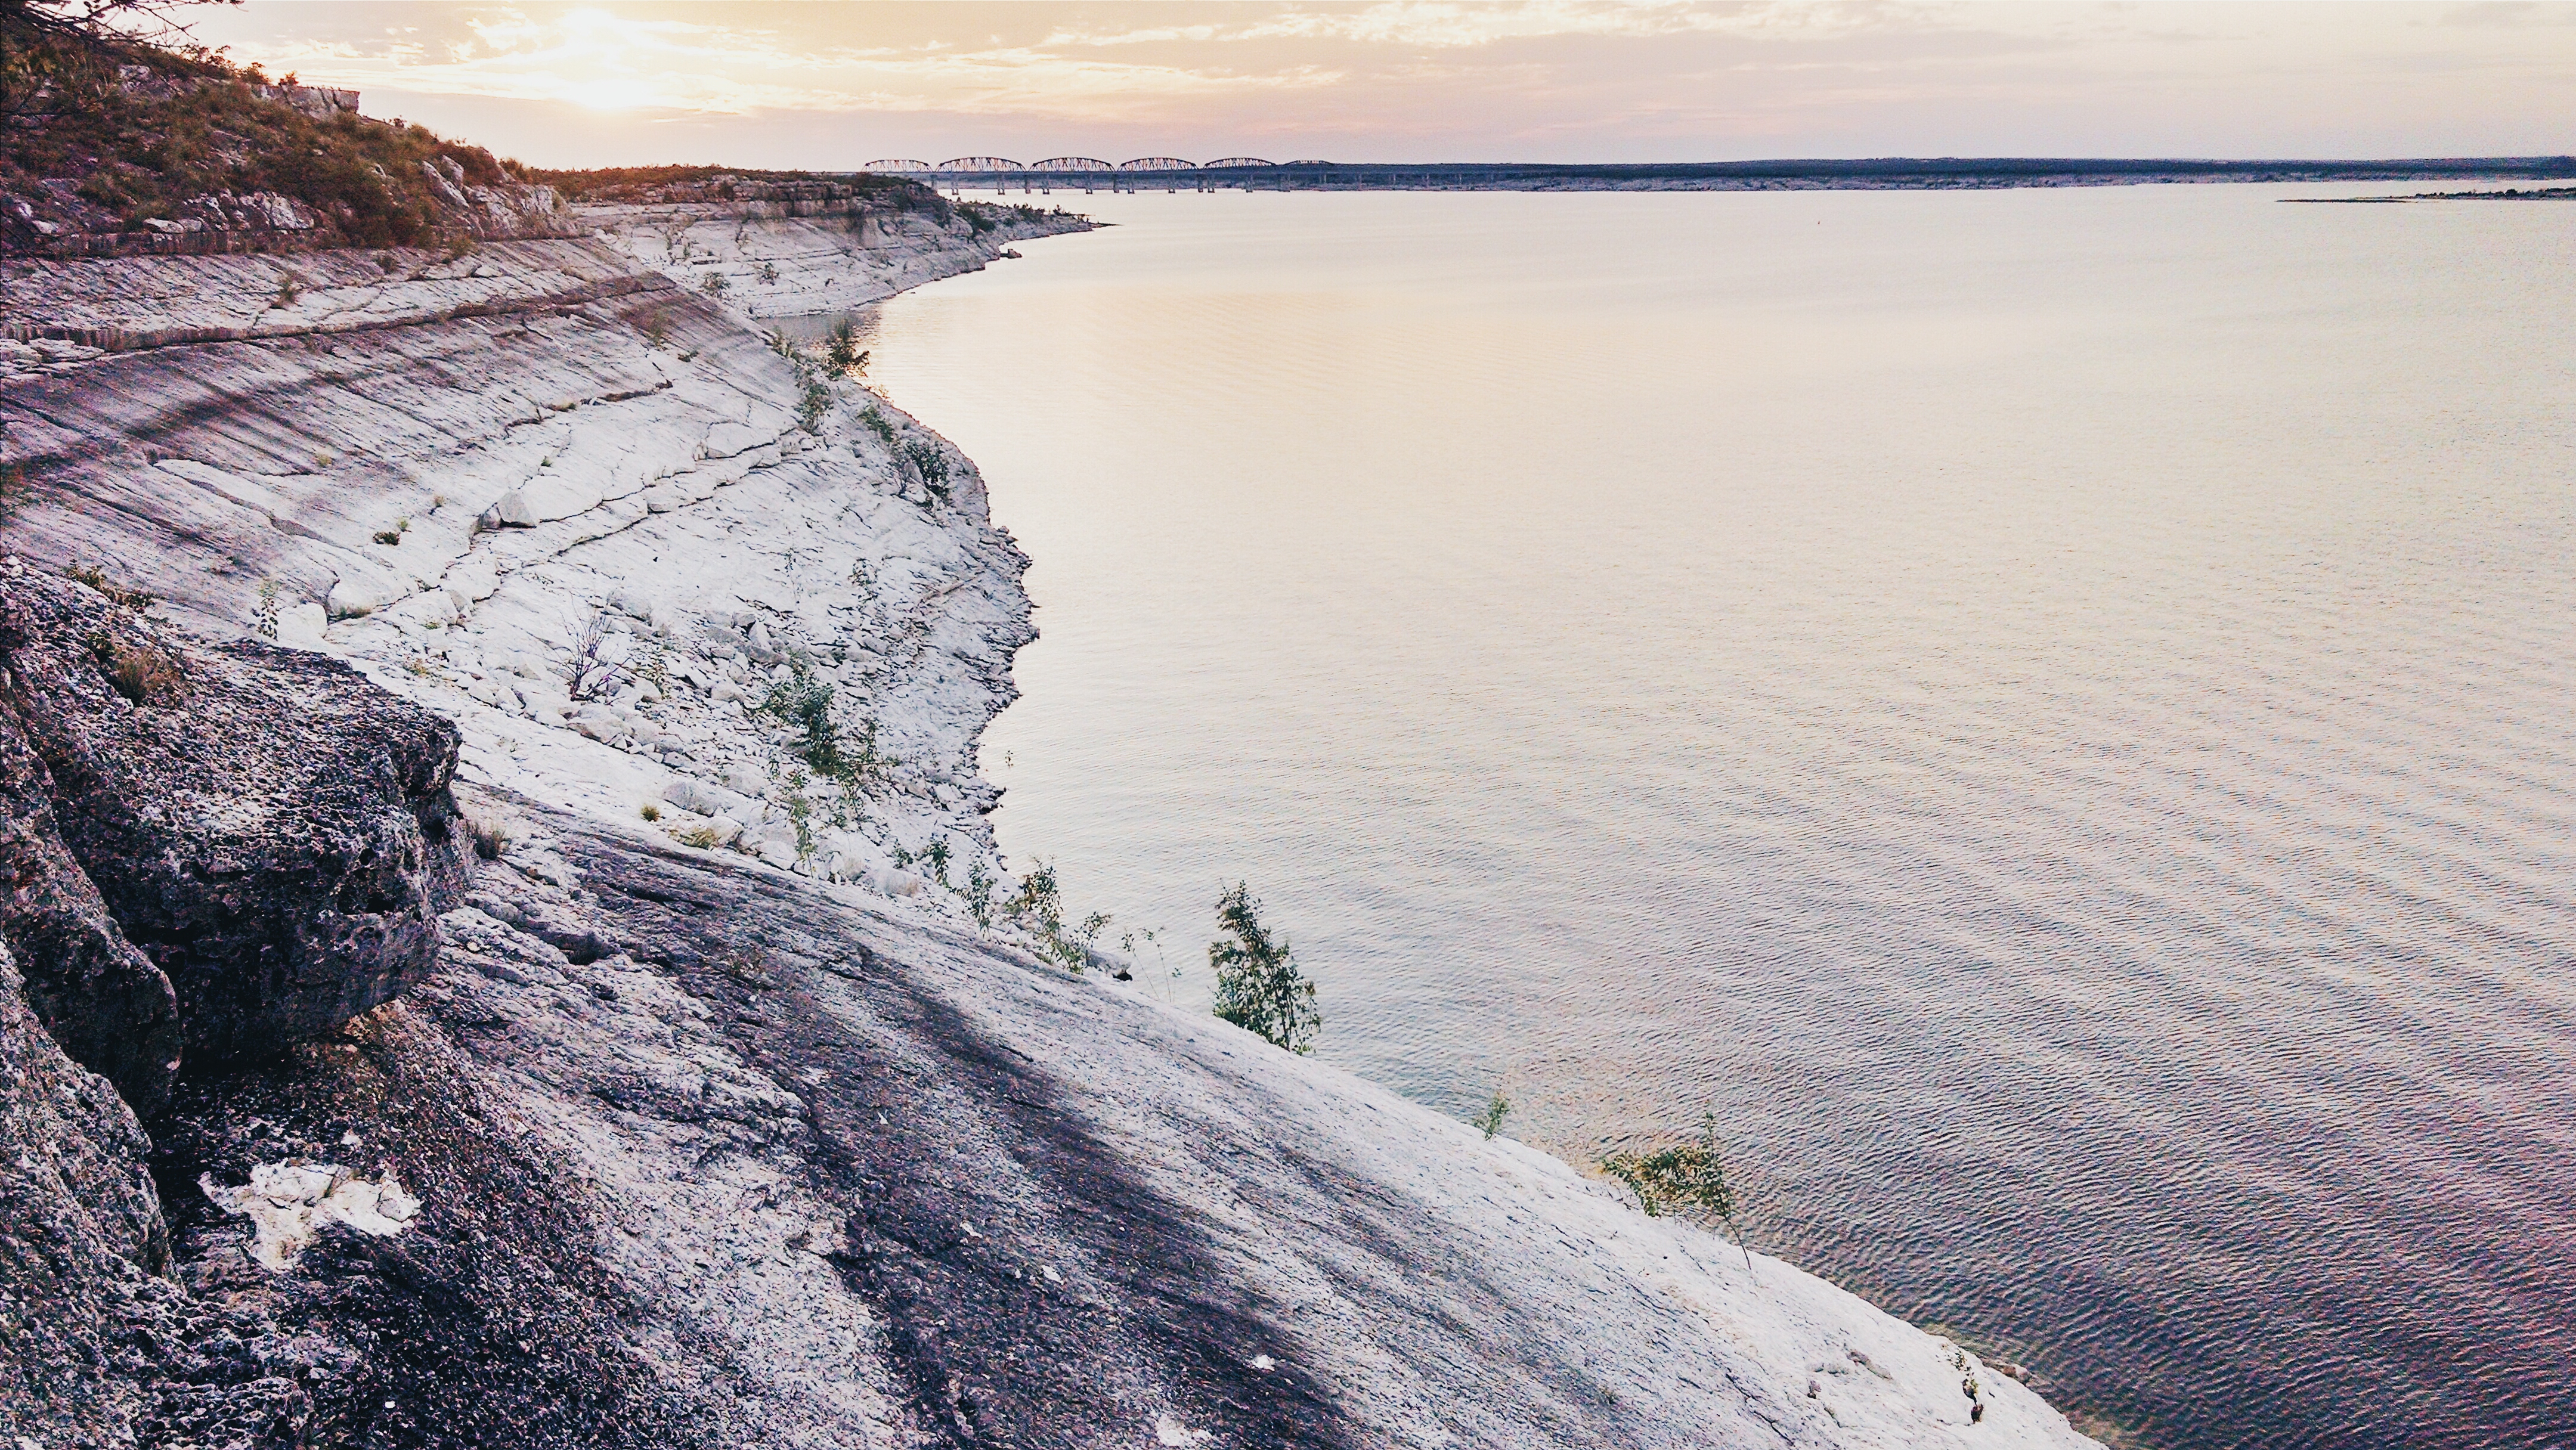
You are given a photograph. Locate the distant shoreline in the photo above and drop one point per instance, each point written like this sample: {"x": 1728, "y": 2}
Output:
{"x": 1884, "y": 174}
{"x": 2546, "y": 193}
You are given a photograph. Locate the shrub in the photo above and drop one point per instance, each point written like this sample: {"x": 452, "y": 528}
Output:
{"x": 769, "y": 273}
{"x": 714, "y": 284}
{"x": 841, "y": 351}
{"x": 1258, "y": 986}
{"x": 1038, "y": 908}
{"x": 491, "y": 836}
{"x": 96, "y": 578}
{"x": 813, "y": 403}
{"x": 652, "y": 812}
{"x": 879, "y": 424}
{"x": 704, "y": 837}
{"x": 1491, "y": 1119}
{"x": 1685, "y": 1180}
{"x": 803, "y": 704}
{"x": 928, "y": 461}
{"x": 800, "y": 812}
{"x": 590, "y": 674}
{"x": 140, "y": 672}
{"x": 388, "y": 536}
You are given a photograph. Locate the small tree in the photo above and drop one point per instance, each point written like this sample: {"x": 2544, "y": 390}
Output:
{"x": 1686, "y": 1180}
{"x": 1491, "y": 1119}
{"x": 842, "y": 355}
{"x": 591, "y": 674}
{"x": 1258, "y": 987}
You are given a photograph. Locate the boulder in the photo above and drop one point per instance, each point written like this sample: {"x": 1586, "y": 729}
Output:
{"x": 108, "y": 1006}
{"x": 81, "y": 1228}
{"x": 272, "y": 830}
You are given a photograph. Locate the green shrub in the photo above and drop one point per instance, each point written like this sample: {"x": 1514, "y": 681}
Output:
{"x": 1038, "y": 909}
{"x": 808, "y": 707}
{"x": 930, "y": 463}
{"x": 1685, "y": 1180}
{"x": 1258, "y": 987}
{"x": 813, "y": 403}
{"x": 842, "y": 354}
{"x": 1491, "y": 1119}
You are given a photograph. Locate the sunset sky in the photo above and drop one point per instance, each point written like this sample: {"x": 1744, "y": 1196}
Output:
{"x": 834, "y": 85}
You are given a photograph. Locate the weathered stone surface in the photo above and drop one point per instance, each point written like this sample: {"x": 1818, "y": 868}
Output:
{"x": 271, "y": 830}
{"x": 108, "y": 1006}
{"x": 79, "y": 1229}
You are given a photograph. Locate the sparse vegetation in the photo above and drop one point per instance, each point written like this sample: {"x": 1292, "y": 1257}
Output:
{"x": 769, "y": 274}
{"x": 651, "y": 812}
{"x": 1258, "y": 985}
{"x": 714, "y": 284}
{"x": 879, "y": 424}
{"x": 928, "y": 461}
{"x": 1491, "y": 1119}
{"x": 1038, "y": 909}
{"x": 800, "y": 812}
{"x": 590, "y": 674}
{"x": 96, "y": 578}
{"x": 842, "y": 355}
{"x": 148, "y": 145}
{"x": 491, "y": 835}
{"x": 808, "y": 707}
{"x": 263, "y": 615}
{"x": 813, "y": 403}
{"x": 1684, "y": 1180}
{"x": 388, "y": 536}
{"x": 139, "y": 670}
{"x": 705, "y": 837}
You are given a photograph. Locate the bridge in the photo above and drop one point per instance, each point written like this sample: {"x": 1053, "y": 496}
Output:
{"x": 1090, "y": 173}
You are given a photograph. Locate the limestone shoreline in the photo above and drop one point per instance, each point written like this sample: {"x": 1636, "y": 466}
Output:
{"x": 721, "y": 1117}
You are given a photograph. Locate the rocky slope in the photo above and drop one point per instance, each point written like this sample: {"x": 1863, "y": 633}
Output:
{"x": 735, "y": 1108}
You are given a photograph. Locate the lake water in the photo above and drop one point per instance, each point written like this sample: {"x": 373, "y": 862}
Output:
{"x": 2052, "y": 712}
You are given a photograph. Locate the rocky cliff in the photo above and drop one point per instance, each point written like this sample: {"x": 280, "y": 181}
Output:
{"x": 728, "y": 1091}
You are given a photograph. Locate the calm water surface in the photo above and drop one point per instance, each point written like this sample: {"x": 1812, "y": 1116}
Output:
{"x": 2053, "y": 712}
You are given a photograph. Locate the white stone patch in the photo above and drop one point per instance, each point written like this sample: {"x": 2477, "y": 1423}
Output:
{"x": 289, "y": 1204}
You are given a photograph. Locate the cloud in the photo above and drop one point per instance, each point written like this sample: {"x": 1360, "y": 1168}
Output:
{"x": 1453, "y": 24}
{"x": 600, "y": 58}
{"x": 1512, "y": 79}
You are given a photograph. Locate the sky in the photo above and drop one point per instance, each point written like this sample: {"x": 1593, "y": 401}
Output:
{"x": 835, "y": 85}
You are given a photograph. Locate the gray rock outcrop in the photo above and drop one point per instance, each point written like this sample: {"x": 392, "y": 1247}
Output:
{"x": 273, "y": 832}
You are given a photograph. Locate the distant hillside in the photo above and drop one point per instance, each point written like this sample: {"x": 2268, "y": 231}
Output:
{"x": 117, "y": 147}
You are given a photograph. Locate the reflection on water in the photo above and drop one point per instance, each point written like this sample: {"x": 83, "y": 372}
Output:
{"x": 2049, "y": 710}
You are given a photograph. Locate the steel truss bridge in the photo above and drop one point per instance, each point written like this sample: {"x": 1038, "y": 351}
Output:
{"x": 1089, "y": 173}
